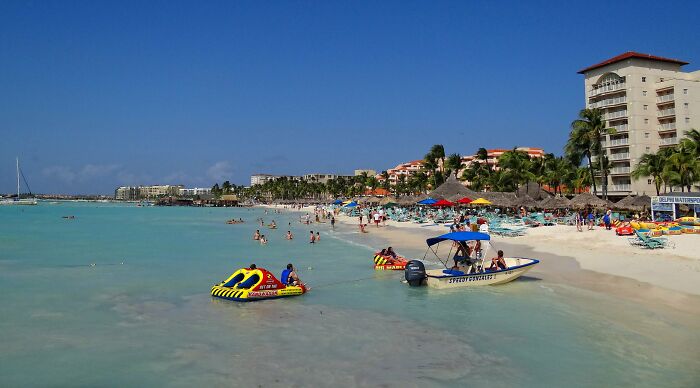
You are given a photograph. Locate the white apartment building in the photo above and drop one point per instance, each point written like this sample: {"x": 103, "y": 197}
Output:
{"x": 650, "y": 102}
{"x": 260, "y": 179}
{"x": 494, "y": 154}
{"x": 131, "y": 193}
{"x": 191, "y": 192}
{"x": 407, "y": 169}
{"x": 369, "y": 172}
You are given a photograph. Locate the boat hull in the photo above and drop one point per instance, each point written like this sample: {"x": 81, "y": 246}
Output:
{"x": 25, "y": 202}
{"x": 516, "y": 267}
{"x": 238, "y": 295}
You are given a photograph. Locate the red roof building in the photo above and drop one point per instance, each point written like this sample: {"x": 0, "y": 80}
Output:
{"x": 629, "y": 55}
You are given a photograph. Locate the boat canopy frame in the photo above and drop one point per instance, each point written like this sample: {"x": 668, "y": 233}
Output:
{"x": 460, "y": 237}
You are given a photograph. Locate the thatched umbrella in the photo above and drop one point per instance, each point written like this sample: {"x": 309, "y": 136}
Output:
{"x": 388, "y": 199}
{"x": 533, "y": 190}
{"x": 642, "y": 201}
{"x": 501, "y": 199}
{"x": 557, "y": 202}
{"x": 625, "y": 203}
{"x": 374, "y": 200}
{"x": 451, "y": 188}
{"x": 419, "y": 197}
{"x": 526, "y": 201}
{"x": 585, "y": 200}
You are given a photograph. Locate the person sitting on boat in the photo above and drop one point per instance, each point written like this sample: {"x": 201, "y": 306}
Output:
{"x": 461, "y": 254}
{"x": 289, "y": 276}
{"x": 256, "y": 235}
{"x": 498, "y": 262}
{"x": 390, "y": 252}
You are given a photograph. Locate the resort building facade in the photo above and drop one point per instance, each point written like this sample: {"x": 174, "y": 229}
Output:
{"x": 650, "y": 102}
{"x": 132, "y": 193}
{"x": 407, "y": 169}
{"x": 185, "y": 192}
{"x": 494, "y": 154}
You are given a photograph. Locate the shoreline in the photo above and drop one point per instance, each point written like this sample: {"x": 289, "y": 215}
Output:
{"x": 596, "y": 261}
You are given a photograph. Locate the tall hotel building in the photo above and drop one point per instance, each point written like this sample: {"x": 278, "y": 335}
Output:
{"x": 650, "y": 102}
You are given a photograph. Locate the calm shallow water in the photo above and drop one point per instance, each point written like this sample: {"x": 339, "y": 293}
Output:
{"x": 151, "y": 321}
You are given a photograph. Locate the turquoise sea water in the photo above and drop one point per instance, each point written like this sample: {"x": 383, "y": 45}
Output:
{"x": 142, "y": 315}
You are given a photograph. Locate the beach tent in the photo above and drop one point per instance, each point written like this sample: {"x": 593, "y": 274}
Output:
{"x": 427, "y": 201}
{"x": 480, "y": 201}
{"x": 443, "y": 203}
{"x": 464, "y": 200}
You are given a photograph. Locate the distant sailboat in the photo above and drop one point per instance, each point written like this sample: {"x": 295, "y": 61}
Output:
{"x": 18, "y": 200}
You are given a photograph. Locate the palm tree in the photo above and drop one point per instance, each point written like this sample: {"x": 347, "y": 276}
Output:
{"x": 483, "y": 155}
{"x": 683, "y": 169}
{"x": 692, "y": 142}
{"x": 651, "y": 165}
{"x": 585, "y": 141}
{"x": 453, "y": 163}
{"x": 515, "y": 166}
{"x": 435, "y": 163}
{"x": 478, "y": 176}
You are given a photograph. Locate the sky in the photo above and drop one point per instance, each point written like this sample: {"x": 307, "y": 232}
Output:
{"x": 98, "y": 94}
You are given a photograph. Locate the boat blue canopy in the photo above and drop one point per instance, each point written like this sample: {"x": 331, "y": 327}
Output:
{"x": 351, "y": 204}
{"x": 458, "y": 236}
{"x": 427, "y": 201}
{"x": 337, "y": 202}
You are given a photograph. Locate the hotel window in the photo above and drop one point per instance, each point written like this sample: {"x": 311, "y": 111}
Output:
{"x": 685, "y": 91}
{"x": 645, "y": 107}
{"x": 646, "y": 135}
{"x": 644, "y": 92}
{"x": 687, "y": 119}
{"x": 647, "y": 148}
{"x": 685, "y": 105}
{"x": 646, "y": 121}
{"x": 644, "y": 79}
{"x": 648, "y": 181}
{"x": 661, "y": 79}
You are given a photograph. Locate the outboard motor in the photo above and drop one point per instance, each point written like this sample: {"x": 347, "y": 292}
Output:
{"x": 415, "y": 273}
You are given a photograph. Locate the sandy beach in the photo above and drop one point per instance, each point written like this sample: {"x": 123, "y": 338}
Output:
{"x": 595, "y": 260}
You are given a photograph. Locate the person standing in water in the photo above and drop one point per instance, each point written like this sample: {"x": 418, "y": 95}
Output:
{"x": 318, "y": 236}
{"x": 333, "y": 222}
{"x": 312, "y": 238}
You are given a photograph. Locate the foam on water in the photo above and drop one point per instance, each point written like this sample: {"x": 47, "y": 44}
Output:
{"x": 150, "y": 321}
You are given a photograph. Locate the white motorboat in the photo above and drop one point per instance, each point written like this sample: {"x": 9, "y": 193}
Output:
{"x": 17, "y": 200}
{"x": 467, "y": 271}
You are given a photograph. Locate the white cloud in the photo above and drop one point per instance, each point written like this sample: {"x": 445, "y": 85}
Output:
{"x": 87, "y": 172}
{"x": 220, "y": 171}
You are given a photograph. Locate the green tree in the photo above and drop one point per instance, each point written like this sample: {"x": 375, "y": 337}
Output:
{"x": 453, "y": 164}
{"x": 585, "y": 139}
{"x": 651, "y": 165}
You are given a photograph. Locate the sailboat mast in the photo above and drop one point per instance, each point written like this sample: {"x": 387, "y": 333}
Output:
{"x": 18, "y": 177}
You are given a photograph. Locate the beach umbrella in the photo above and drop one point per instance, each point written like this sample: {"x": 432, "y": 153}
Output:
{"x": 351, "y": 204}
{"x": 557, "y": 202}
{"x": 533, "y": 190}
{"x": 642, "y": 201}
{"x": 527, "y": 202}
{"x": 464, "y": 200}
{"x": 585, "y": 200}
{"x": 337, "y": 202}
{"x": 443, "y": 203}
{"x": 427, "y": 201}
{"x": 480, "y": 201}
{"x": 388, "y": 199}
{"x": 452, "y": 187}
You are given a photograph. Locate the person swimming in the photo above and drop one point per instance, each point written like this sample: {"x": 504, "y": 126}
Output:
{"x": 256, "y": 235}
{"x": 289, "y": 235}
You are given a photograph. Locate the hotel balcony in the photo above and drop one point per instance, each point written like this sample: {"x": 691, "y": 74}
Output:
{"x": 619, "y": 142}
{"x": 608, "y": 102}
{"x": 666, "y": 112}
{"x": 666, "y": 127}
{"x": 607, "y": 89}
{"x": 667, "y": 141}
{"x": 620, "y": 128}
{"x": 615, "y": 115}
{"x": 665, "y": 98}
{"x": 620, "y": 170}
{"x": 620, "y": 156}
{"x": 620, "y": 187}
